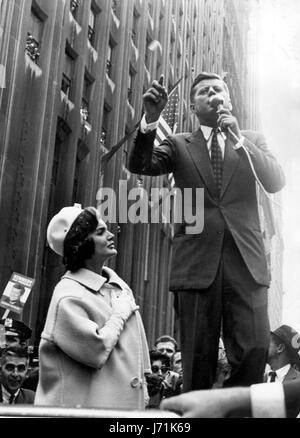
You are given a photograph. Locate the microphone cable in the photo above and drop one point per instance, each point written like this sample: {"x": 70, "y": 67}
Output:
{"x": 253, "y": 169}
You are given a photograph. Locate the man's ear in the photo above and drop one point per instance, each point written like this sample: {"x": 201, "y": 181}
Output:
{"x": 229, "y": 105}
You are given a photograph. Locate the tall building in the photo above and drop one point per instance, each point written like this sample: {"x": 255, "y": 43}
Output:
{"x": 74, "y": 72}
{"x": 270, "y": 212}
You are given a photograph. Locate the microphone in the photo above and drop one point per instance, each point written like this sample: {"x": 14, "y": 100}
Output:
{"x": 217, "y": 101}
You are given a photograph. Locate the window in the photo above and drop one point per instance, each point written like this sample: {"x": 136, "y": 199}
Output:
{"x": 114, "y": 7}
{"x": 32, "y": 48}
{"x": 66, "y": 85}
{"x": 85, "y": 113}
{"x": 105, "y": 124}
{"x": 134, "y": 31}
{"x": 103, "y": 136}
{"x": 130, "y": 84}
{"x": 74, "y": 7}
{"x": 34, "y": 37}
{"x": 91, "y": 27}
{"x": 55, "y": 164}
{"x": 147, "y": 54}
{"x": 109, "y": 58}
{"x": 68, "y": 74}
{"x": 76, "y": 180}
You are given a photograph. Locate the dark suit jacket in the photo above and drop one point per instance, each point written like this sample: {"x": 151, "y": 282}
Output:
{"x": 196, "y": 257}
{"x": 292, "y": 397}
{"x": 291, "y": 375}
{"x": 25, "y": 396}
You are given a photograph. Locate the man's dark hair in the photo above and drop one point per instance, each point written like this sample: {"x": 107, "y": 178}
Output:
{"x": 78, "y": 247}
{"x": 201, "y": 77}
{"x": 14, "y": 351}
{"x": 20, "y": 287}
{"x": 166, "y": 338}
{"x": 157, "y": 355}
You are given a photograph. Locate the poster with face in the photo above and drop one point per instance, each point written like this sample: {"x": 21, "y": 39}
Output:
{"x": 16, "y": 293}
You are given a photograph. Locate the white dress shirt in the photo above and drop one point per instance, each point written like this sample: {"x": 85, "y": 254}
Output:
{"x": 206, "y": 130}
{"x": 280, "y": 373}
{"x": 6, "y": 395}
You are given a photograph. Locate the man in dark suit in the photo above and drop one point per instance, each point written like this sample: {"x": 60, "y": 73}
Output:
{"x": 283, "y": 355}
{"x": 14, "y": 366}
{"x": 219, "y": 274}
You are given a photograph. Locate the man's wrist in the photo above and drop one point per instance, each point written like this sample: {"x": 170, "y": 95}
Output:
{"x": 239, "y": 402}
{"x": 151, "y": 119}
{"x": 147, "y": 127}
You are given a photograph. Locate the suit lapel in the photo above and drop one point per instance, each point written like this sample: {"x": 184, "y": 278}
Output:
{"x": 230, "y": 164}
{"x": 291, "y": 374}
{"x": 197, "y": 149}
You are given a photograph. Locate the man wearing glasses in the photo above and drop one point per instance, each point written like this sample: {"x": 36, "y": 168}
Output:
{"x": 14, "y": 366}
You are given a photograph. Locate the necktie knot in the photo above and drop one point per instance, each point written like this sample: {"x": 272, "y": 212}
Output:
{"x": 11, "y": 399}
{"x": 272, "y": 375}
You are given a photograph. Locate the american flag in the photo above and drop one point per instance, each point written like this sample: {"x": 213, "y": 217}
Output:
{"x": 168, "y": 118}
{"x": 168, "y": 122}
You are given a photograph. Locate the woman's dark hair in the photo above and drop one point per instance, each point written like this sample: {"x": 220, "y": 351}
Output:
{"x": 78, "y": 247}
{"x": 158, "y": 355}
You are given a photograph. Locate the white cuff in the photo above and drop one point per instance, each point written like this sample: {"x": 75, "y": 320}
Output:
{"x": 267, "y": 400}
{"x": 147, "y": 127}
{"x": 240, "y": 143}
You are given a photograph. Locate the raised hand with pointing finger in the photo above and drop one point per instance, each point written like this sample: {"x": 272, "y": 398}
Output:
{"x": 155, "y": 99}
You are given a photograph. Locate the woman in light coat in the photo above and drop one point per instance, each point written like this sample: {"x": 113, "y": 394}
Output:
{"x": 93, "y": 350}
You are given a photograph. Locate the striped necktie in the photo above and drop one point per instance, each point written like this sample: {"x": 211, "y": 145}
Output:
{"x": 216, "y": 160}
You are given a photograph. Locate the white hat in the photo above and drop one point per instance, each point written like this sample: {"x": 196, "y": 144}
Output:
{"x": 60, "y": 225}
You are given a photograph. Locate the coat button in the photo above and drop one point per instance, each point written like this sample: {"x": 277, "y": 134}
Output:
{"x": 135, "y": 382}
{"x": 220, "y": 232}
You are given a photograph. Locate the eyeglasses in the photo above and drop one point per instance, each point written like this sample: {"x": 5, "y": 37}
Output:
{"x": 163, "y": 369}
{"x": 9, "y": 367}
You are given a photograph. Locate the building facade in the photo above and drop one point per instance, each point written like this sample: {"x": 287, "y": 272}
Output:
{"x": 73, "y": 73}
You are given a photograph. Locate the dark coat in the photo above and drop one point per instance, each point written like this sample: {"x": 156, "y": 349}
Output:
{"x": 292, "y": 397}
{"x": 292, "y": 375}
{"x": 196, "y": 257}
{"x": 25, "y": 396}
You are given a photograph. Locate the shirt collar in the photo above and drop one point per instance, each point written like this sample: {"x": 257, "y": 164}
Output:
{"x": 207, "y": 132}
{"x": 282, "y": 372}
{"x": 94, "y": 281}
{"x": 6, "y": 395}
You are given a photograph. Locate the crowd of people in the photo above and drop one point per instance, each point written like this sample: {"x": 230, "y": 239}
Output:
{"x": 19, "y": 365}
{"x": 93, "y": 350}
